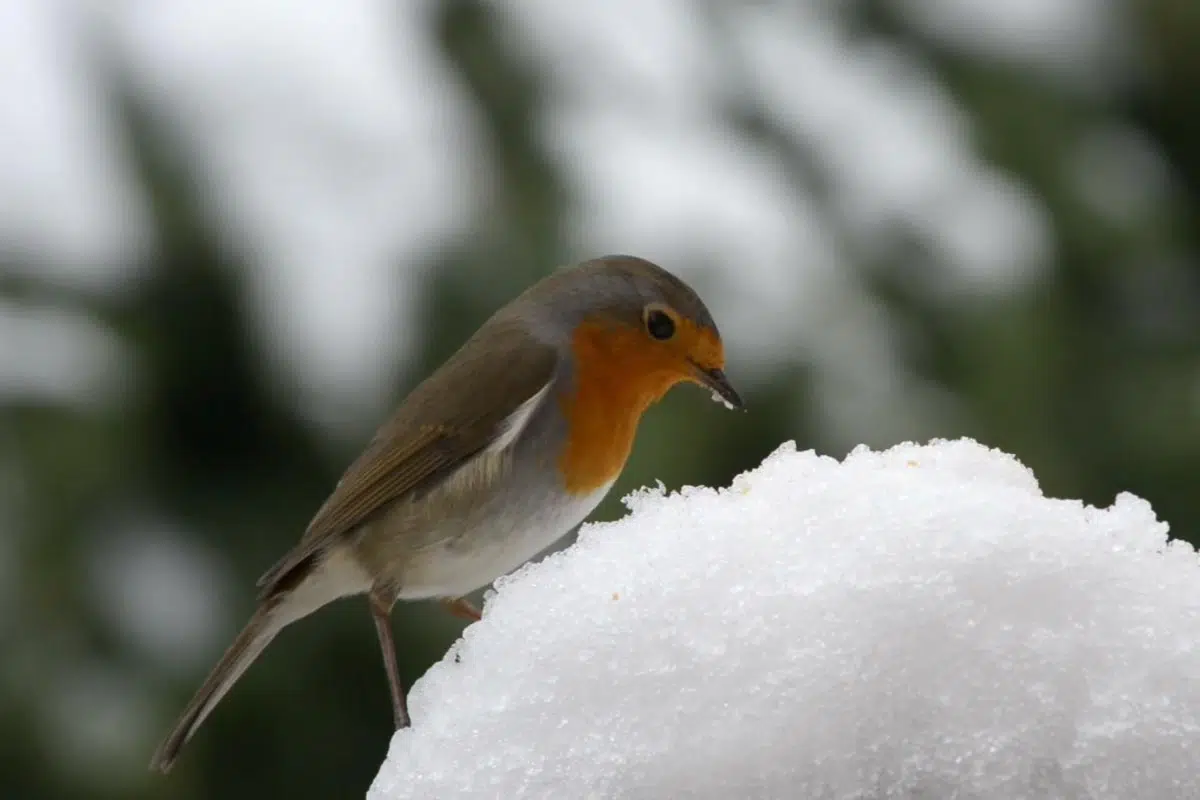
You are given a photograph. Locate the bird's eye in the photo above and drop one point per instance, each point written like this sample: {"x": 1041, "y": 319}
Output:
{"x": 660, "y": 325}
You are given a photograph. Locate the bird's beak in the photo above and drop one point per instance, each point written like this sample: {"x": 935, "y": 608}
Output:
{"x": 715, "y": 379}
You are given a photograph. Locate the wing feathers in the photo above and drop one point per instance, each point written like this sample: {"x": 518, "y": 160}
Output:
{"x": 476, "y": 402}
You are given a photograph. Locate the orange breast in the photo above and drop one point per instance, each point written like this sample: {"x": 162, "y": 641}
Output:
{"x": 618, "y": 375}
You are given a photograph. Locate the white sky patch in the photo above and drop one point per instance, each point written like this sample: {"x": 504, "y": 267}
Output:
{"x": 896, "y": 150}
{"x": 69, "y": 209}
{"x": 643, "y": 56}
{"x": 1066, "y": 36}
{"x": 52, "y": 354}
{"x": 918, "y": 622}
{"x": 335, "y": 148}
{"x": 162, "y": 593}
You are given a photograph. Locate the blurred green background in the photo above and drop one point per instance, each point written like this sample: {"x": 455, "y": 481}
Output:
{"x": 234, "y": 234}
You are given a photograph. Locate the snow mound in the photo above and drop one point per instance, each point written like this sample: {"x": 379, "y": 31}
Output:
{"x": 920, "y": 622}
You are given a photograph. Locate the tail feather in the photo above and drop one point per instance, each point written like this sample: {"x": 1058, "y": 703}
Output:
{"x": 320, "y": 583}
{"x": 248, "y": 645}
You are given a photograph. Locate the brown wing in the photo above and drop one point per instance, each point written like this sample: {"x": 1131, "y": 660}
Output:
{"x": 445, "y": 422}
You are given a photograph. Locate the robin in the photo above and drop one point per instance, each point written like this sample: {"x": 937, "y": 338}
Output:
{"x": 502, "y": 451}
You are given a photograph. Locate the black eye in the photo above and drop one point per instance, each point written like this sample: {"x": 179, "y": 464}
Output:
{"x": 660, "y": 325}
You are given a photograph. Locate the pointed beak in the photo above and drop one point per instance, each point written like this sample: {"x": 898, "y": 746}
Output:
{"x": 715, "y": 379}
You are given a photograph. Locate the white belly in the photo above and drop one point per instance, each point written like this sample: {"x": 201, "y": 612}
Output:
{"x": 457, "y": 568}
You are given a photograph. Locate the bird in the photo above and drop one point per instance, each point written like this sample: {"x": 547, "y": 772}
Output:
{"x": 500, "y": 452}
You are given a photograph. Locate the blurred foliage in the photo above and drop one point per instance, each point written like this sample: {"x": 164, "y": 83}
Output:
{"x": 1090, "y": 377}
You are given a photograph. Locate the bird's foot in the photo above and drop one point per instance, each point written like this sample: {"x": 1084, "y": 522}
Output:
{"x": 463, "y": 609}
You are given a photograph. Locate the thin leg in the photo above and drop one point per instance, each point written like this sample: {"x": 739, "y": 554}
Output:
{"x": 381, "y": 612}
{"x": 463, "y": 608}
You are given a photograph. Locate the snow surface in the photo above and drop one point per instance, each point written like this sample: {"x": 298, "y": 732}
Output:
{"x": 921, "y": 622}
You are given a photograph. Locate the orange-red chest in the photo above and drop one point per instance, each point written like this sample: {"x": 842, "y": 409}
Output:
{"x": 618, "y": 375}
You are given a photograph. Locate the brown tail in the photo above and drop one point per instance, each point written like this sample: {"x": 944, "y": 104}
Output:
{"x": 317, "y": 586}
{"x": 253, "y": 639}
